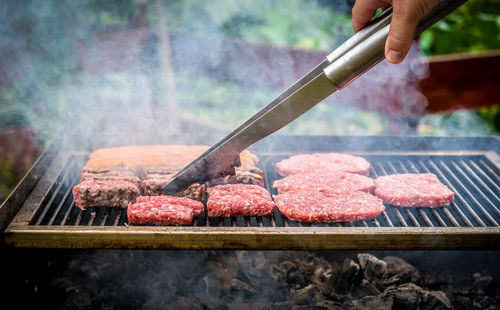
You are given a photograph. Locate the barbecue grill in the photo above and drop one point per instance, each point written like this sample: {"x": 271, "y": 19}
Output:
{"x": 41, "y": 211}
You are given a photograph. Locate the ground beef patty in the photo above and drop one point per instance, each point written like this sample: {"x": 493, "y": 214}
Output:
{"x": 318, "y": 206}
{"x": 243, "y": 175}
{"x": 304, "y": 163}
{"x": 154, "y": 187}
{"x": 239, "y": 200}
{"x": 325, "y": 181}
{"x": 159, "y": 213}
{"x": 413, "y": 190}
{"x": 110, "y": 193}
{"x": 196, "y": 206}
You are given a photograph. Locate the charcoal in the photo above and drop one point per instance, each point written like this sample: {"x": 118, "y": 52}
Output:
{"x": 346, "y": 276}
{"x": 399, "y": 271}
{"x": 460, "y": 303}
{"x": 369, "y": 288}
{"x": 280, "y": 272}
{"x": 480, "y": 285}
{"x": 258, "y": 304}
{"x": 373, "y": 268}
{"x": 406, "y": 296}
{"x": 240, "y": 286}
{"x": 308, "y": 307}
{"x": 324, "y": 278}
{"x": 282, "y": 305}
{"x": 184, "y": 303}
{"x": 80, "y": 300}
{"x": 304, "y": 295}
{"x": 435, "y": 300}
{"x": 381, "y": 302}
{"x": 330, "y": 304}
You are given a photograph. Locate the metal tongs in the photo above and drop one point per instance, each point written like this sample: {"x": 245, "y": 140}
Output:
{"x": 349, "y": 61}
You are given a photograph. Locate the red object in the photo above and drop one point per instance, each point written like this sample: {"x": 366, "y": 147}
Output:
{"x": 110, "y": 193}
{"x": 413, "y": 190}
{"x": 325, "y": 181}
{"x": 239, "y": 200}
{"x": 159, "y": 213}
{"x": 305, "y": 163}
{"x": 316, "y": 206}
{"x": 196, "y": 206}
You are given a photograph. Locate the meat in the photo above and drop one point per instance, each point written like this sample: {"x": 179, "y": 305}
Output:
{"x": 154, "y": 187}
{"x": 112, "y": 176}
{"x": 312, "y": 206}
{"x": 110, "y": 193}
{"x": 304, "y": 163}
{"x": 243, "y": 175}
{"x": 325, "y": 181}
{"x": 159, "y": 214}
{"x": 239, "y": 200}
{"x": 413, "y": 190}
{"x": 196, "y": 206}
{"x": 139, "y": 157}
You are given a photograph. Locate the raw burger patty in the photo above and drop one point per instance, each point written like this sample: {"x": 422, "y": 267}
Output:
{"x": 111, "y": 193}
{"x": 159, "y": 213}
{"x": 196, "y": 206}
{"x": 304, "y": 163}
{"x": 239, "y": 200}
{"x": 413, "y": 190}
{"x": 315, "y": 206}
{"x": 325, "y": 181}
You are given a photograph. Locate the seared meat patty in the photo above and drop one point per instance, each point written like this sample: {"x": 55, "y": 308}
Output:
{"x": 111, "y": 193}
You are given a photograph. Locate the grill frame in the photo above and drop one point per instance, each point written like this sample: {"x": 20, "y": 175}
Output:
{"x": 20, "y": 234}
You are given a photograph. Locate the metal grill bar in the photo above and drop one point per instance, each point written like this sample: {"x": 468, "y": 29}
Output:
{"x": 446, "y": 211}
{"x": 466, "y": 190}
{"x": 484, "y": 186}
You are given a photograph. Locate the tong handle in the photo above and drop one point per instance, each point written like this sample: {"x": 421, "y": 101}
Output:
{"x": 361, "y": 52}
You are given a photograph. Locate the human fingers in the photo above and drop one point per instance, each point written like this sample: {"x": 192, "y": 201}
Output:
{"x": 364, "y": 10}
{"x": 405, "y": 16}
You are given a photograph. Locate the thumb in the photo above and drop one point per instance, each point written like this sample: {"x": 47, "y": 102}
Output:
{"x": 405, "y": 17}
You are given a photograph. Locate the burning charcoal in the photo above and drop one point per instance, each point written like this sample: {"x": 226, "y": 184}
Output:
{"x": 373, "y": 268}
{"x": 240, "y": 286}
{"x": 481, "y": 284}
{"x": 369, "y": 288}
{"x": 381, "y": 302}
{"x": 346, "y": 276}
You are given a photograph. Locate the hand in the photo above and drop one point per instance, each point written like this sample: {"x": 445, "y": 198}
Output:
{"x": 405, "y": 16}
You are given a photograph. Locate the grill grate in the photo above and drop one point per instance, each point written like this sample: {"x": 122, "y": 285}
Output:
{"x": 473, "y": 178}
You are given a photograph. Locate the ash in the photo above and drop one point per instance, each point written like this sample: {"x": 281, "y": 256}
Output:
{"x": 118, "y": 279}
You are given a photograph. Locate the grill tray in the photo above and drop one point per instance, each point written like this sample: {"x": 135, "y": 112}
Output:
{"x": 49, "y": 217}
